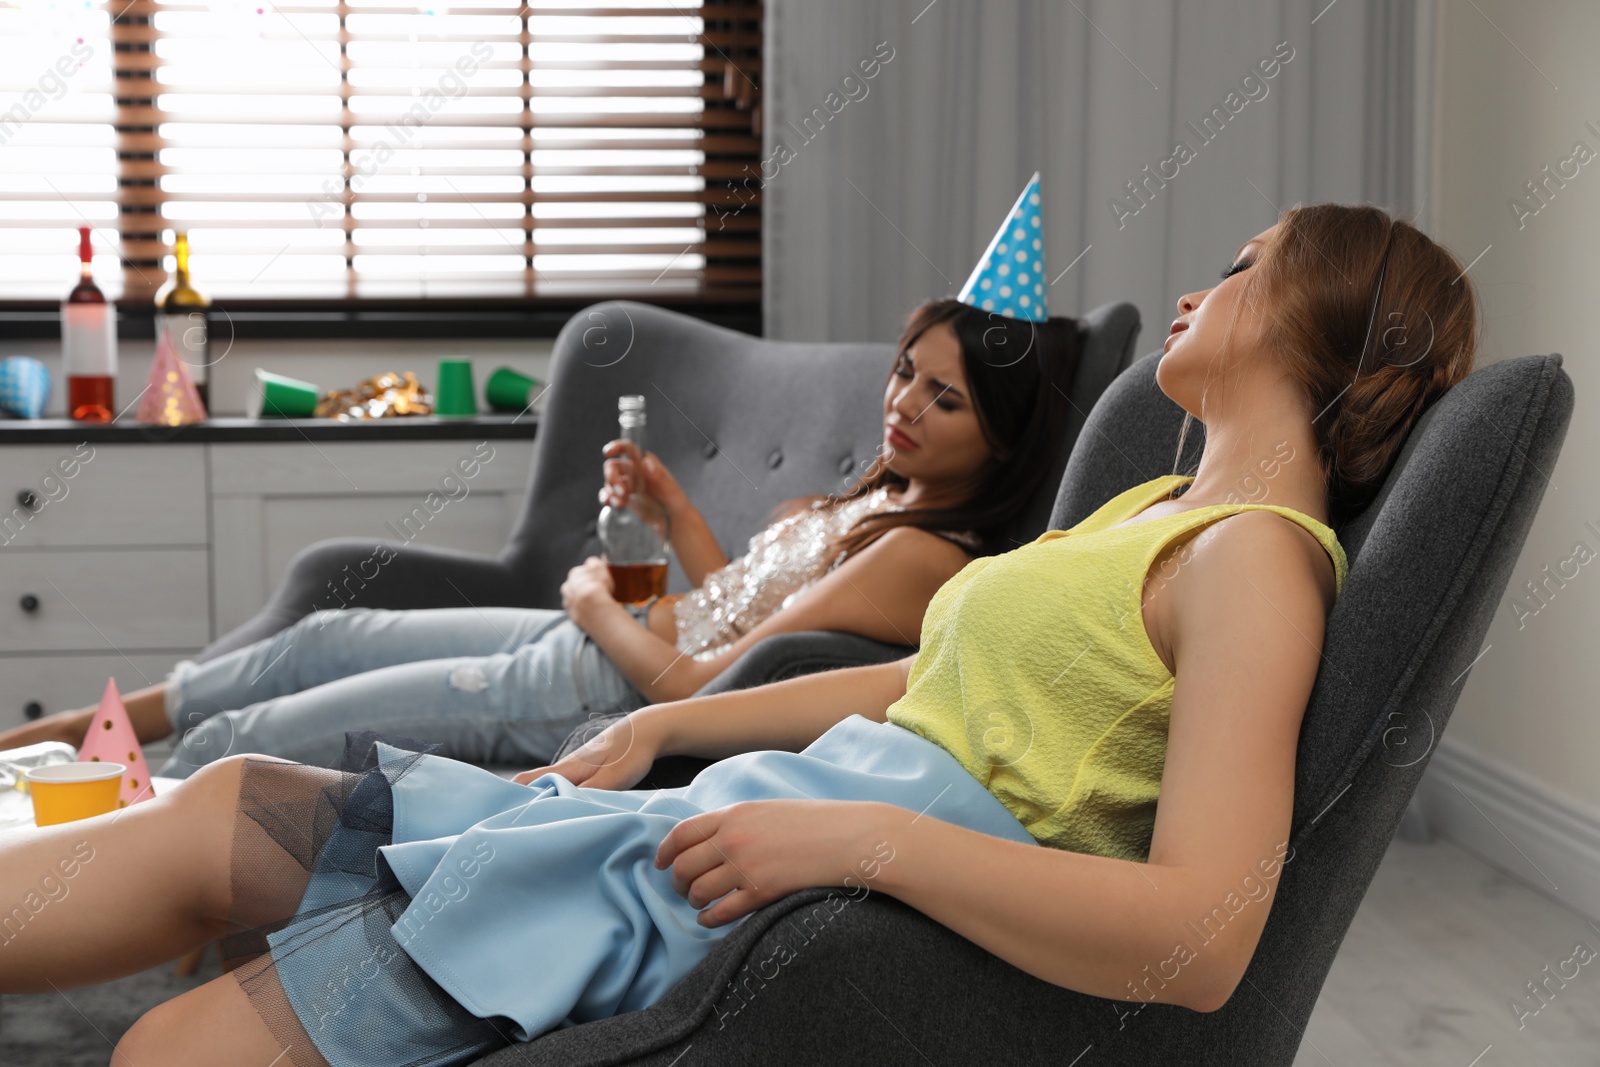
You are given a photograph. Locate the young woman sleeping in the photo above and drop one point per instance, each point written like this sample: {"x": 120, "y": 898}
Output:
{"x": 1095, "y": 739}
{"x": 968, "y": 430}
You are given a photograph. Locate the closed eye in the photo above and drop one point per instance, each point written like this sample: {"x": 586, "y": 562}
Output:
{"x": 1234, "y": 268}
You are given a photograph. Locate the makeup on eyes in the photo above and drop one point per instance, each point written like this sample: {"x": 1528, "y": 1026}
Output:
{"x": 1234, "y": 268}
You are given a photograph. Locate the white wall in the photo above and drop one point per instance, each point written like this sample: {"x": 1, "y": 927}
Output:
{"x": 1510, "y": 101}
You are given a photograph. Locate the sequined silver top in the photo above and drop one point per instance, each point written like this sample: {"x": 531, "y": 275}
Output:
{"x": 783, "y": 561}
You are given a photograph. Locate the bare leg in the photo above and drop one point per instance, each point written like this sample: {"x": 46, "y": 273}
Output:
{"x": 147, "y": 710}
{"x": 87, "y": 901}
{"x": 213, "y": 1025}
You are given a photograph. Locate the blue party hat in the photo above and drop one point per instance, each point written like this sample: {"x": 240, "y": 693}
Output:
{"x": 1009, "y": 278}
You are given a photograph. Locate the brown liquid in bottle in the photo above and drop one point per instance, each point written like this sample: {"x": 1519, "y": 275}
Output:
{"x": 90, "y": 397}
{"x": 635, "y": 583}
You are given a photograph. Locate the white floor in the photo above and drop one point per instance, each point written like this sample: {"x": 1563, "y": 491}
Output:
{"x": 1442, "y": 947}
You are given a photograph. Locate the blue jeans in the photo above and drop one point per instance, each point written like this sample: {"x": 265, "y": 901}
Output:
{"x": 491, "y": 685}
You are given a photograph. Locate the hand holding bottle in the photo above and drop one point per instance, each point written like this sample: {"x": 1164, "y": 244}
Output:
{"x": 635, "y": 536}
{"x": 627, "y": 470}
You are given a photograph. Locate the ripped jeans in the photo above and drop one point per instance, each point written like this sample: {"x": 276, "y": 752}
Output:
{"x": 492, "y": 685}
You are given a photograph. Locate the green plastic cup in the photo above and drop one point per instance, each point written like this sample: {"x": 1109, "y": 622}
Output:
{"x": 509, "y": 390}
{"x": 454, "y": 396}
{"x": 276, "y": 396}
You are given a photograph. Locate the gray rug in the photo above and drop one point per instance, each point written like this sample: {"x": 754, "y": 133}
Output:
{"x": 80, "y": 1027}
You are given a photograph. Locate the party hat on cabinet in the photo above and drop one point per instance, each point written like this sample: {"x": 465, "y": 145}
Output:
{"x": 111, "y": 740}
{"x": 170, "y": 398}
{"x": 1009, "y": 278}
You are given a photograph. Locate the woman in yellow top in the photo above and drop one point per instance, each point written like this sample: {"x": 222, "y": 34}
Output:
{"x": 1164, "y": 648}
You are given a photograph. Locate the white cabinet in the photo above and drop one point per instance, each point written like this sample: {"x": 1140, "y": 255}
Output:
{"x": 117, "y": 559}
{"x": 270, "y": 501}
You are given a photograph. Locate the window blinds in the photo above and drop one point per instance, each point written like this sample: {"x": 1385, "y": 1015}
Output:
{"x": 366, "y": 150}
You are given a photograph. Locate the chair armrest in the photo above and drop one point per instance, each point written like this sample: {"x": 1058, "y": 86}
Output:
{"x": 830, "y": 974}
{"x": 803, "y": 652}
{"x": 363, "y": 573}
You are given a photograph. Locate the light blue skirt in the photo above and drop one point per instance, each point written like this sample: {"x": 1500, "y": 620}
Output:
{"x": 450, "y": 912}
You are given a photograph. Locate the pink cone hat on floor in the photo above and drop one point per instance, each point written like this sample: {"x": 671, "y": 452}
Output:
{"x": 111, "y": 739}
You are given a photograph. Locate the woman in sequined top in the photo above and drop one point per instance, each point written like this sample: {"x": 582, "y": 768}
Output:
{"x": 972, "y": 410}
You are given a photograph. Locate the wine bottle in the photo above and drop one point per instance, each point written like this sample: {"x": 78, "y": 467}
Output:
{"x": 182, "y": 315}
{"x": 89, "y": 343}
{"x": 635, "y": 536}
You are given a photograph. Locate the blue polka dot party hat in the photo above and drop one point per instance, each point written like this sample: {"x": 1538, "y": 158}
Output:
{"x": 1009, "y": 278}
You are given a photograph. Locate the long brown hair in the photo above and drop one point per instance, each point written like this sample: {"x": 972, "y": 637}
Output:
{"x": 1019, "y": 374}
{"x": 1375, "y": 320}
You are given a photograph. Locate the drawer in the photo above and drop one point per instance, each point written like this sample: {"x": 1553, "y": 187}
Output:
{"x": 105, "y": 601}
{"x": 60, "y": 683}
{"x": 102, "y": 495}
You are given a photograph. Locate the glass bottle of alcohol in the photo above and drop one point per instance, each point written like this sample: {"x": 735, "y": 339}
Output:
{"x": 181, "y": 314}
{"x": 89, "y": 343}
{"x": 635, "y": 536}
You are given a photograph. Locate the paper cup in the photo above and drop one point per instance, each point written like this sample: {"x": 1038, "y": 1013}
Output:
{"x": 509, "y": 390}
{"x": 273, "y": 395}
{"x": 454, "y": 395}
{"x": 66, "y": 792}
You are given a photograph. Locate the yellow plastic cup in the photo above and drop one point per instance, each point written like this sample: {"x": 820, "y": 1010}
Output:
{"x": 66, "y": 792}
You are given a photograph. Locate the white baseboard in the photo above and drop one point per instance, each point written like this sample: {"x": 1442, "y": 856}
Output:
{"x": 1545, "y": 840}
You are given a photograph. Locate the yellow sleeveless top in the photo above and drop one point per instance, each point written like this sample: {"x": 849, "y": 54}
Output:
{"x": 1037, "y": 674}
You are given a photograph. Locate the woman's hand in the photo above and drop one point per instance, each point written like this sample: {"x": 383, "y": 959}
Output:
{"x": 750, "y": 854}
{"x": 615, "y": 758}
{"x": 648, "y": 474}
{"x": 588, "y": 586}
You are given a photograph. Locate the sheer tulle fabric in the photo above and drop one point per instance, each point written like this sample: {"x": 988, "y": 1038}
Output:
{"x": 312, "y": 908}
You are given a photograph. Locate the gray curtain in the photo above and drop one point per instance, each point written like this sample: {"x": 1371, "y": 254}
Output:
{"x": 881, "y": 192}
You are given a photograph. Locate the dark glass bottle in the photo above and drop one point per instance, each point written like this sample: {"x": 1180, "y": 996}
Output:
{"x": 182, "y": 315}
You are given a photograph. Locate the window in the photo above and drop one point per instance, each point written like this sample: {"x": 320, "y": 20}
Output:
{"x": 375, "y": 152}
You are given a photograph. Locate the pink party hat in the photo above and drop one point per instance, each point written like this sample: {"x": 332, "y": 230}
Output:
{"x": 170, "y": 398}
{"x": 111, "y": 740}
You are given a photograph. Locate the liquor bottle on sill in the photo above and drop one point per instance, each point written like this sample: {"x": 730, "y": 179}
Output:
{"x": 635, "y": 536}
{"x": 89, "y": 343}
{"x": 181, "y": 314}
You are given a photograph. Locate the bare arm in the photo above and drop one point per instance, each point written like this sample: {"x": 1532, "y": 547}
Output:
{"x": 695, "y": 545}
{"x": 881, "y": 592}
{"x": 786, "y": 715}
{"x": 1245, "y": 619}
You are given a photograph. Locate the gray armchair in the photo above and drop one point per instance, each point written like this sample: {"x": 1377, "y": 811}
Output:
{"x": 743, "y": 423}
{"x": 874, "y": 981}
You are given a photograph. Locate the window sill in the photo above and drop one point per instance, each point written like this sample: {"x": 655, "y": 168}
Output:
{"x": 281, "y": 319}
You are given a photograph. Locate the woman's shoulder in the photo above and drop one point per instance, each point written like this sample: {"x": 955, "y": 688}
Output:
{"x": 1266, "y": 545}
{"x": 967, "y": 540}
{"x": 911, "y": 543}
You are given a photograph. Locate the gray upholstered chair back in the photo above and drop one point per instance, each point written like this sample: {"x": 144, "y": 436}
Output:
{"x": 743, "y": 423}
{"x": 1429, "y": 561}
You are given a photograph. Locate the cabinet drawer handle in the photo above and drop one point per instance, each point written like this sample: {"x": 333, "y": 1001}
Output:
{"x": 28, "y": 499}
{"x": 29, "y": 603}
{"x": 33, "y": 709}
